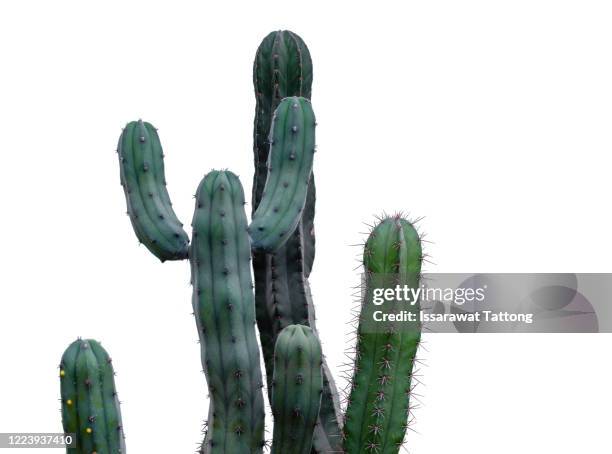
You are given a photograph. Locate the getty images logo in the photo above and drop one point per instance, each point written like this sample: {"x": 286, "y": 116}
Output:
{"x": 412, "y": 295}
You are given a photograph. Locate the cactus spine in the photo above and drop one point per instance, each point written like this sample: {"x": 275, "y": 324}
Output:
{"x": 292, "y": 146}
{"x": 225, "y": 316}
{"x": 297, "y": 388}
{"x": 378, "y": 405}
{"x": 90, "y": 408}
{"x": 141, "y": 161}
{"x": 283, "y": 68}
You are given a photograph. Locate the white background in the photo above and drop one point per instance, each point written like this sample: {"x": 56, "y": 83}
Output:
{"x": 490, "y": 118}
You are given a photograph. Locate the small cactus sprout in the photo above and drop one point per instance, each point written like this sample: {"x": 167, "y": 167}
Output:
{"x": 141, "y": 161}
{"x": 378, "y": 405}
{"x": 224, "y": 309}
{"x": 90, "y": 408}
{"x": 292, "y": 145}
{"x": 297, "y": 389}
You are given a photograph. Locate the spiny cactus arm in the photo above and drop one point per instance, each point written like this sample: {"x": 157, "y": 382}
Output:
{"x": 225, "y": 316}
{"x": 378, "y": 405}
{"x": 297, "y": 389}
{"x": 144, "y": 185}
{"x": 292, "y": 147}
{"x": 90, "y": 408}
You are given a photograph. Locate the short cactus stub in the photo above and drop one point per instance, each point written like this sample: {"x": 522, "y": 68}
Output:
{"x": 90, "y": 408}
{"x": 296, "y": 390}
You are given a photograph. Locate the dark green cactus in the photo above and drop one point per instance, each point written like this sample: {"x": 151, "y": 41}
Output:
{"x": 141, "y": 160}
{"x": 283, "y": 68}
{"x": 225, "y": 316}
{"x": 292, "y": 147}
{"x": 90, "y": 408}
{"x": 378, "y": 405}
{"x": 297, "y": 388}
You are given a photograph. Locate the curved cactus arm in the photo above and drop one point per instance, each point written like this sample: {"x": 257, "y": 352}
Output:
{"x": 144, "y": 184}
{"x": 90, "y": 408}
{"x": 225, "y": 316}
{"x": 378, "y": 405}
{"x": 292, "y": 146}
{"x": 297, "y": 389}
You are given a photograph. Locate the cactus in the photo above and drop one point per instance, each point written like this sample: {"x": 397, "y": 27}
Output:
{"x": 90, "y": 408}
{"x": 301, "y": 389}
{"x": 225, "y": 316}
{"x": 148, "y": 203}
{"x": 378, "y": 405}
{"x": 283, "y": 68}
{"x": 297, "y": 388}
{"x": 292, "y": 146}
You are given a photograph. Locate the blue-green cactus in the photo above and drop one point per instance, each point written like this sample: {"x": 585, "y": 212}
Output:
{"x": 292, "y": 146}
{"x": 296, "y": 390}
{"x": 224, "y": 308}
{"x": 141, "y": 161}
{"x": 90, "y": 408}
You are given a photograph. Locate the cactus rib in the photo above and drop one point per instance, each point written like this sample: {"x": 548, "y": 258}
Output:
{"x": 148, "y": 203}
{"x": 225, "y": 316}
{"x": 297, "y": 388}
{"x": 90, "y": 408}
{"x": 378, "y": 408}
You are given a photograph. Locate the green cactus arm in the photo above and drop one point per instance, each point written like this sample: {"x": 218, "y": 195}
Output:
{"x": 144, "y": 185}
{"x": 297, "y": 388}
{"x": 225, "y": 316}
{"x": 90, "y": 408}
{"x": 378, "y": 404}
{"x": 292, "y": 146}
{"x": 282, "y": 68}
